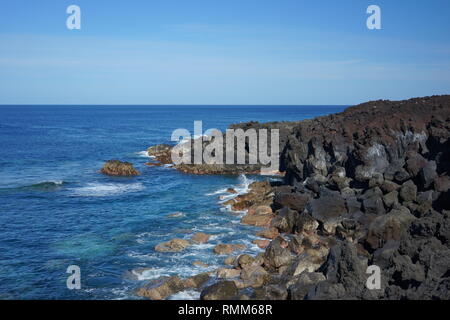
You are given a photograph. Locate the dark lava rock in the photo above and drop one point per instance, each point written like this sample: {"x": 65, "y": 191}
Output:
{"x": 327, "y": 208}
{"x": 295, "y": 201}
{"x": 277, "y": 255}
{"x": 305, "y": 282}
{"x": 408, "y": 191}
{"x": 391, "y": 226}
{"x": 345, "y": 274}
{"x": 224, "y": 290}
{"x": 428, "y": 174}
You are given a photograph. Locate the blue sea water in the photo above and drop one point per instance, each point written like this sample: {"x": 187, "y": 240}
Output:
{"x": 57, "y": 210}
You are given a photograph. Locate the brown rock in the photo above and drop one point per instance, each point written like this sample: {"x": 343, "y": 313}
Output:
{"x": 227, "y": 248}
{"x": 224, "y": 290}
{"x": 270, "y": 233}
{"x": 201, "y": 237}
{"x": 196, "y": 281}
{"x": 162, "y": 288}
{"x": 260, "y": 220}
{"x": 229, "y": 261}
{"x": 174, "y": 245}
{"x": 245, "y": 261}
{"x": 226, "y": 273}
{"x": 241, "y": 205}
{"x": 261, "y": 210}
{"x": 261, "y": 243}
{"x": 119, "y": 168}
{"x": 153, "y": 164}
{"x": 254, "y": 276}
{"x": 277, "y": 254}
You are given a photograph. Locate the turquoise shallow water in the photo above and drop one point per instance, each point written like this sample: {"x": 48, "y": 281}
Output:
{"x": 57, "y": 210}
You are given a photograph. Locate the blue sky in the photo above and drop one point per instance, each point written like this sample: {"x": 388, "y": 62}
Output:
{"x": 222, "y": 52}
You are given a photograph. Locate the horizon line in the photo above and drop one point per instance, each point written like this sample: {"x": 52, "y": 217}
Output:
{"x": 179, "y": 105}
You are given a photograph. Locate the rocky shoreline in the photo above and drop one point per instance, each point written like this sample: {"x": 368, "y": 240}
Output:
{"x": 368, "y": 186}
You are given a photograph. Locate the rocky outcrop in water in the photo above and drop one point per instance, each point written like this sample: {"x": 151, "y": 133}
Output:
{"x": 119, "y": 168}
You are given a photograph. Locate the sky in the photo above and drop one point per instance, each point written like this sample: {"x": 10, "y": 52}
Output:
{"x": 227, "y": 52}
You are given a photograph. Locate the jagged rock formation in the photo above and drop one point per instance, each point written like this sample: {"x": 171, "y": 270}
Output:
{"x": 367, "y": 186}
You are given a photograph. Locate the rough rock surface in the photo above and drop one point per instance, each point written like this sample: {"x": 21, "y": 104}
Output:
{"x": 367, "y": 186}
{"x": 119, "y": 168}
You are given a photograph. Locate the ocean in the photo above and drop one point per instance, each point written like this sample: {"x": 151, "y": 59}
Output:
{"x": 57, "y": 210}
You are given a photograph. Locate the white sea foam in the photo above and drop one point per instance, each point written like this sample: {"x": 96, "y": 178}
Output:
{"x": 144, "y": 154}
{"x": 170, "y": 270}
{"x": 220, "y": 191}
{"x": 185, "y": 295}
{"x": 107, "y": 189}
{"x": 245, "y": 184}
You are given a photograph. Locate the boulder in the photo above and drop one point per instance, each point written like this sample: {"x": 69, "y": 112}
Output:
{"x": 346, "y": 275}
{"x": 270, "y": 292}
{"x": 390, "y": 199}
{"x": 197, "y": 281}
{"x": 327, "y": 208}
{"x": 223, "y": 290}
{"x": 269, "y": 233}
{"x": 305, "y": 262}
{"x": 254, "y": 276}
{"x": 415, "y": 163}
{"x": 391, "y": 226}
{"x": 227, "y": 248}
{"x": 277, "y": 255}
{"x": 374, "y": 205}
{"x": 245, "y": 261}
{"x": 201, "y": 237}
{"x": 303, "y": 284}
{"x": 389, "y": 186}
{"x": 257, "y": 220}
{"x": 162, "y": 288}
{"x": 262, "y": 244}
{"x": 408, "y": 191}
{"x": 285, "y": 220}
{"x": 230, "y": 261}
{"x": 294, "y": 201}
{"x": 428, "y": 174}
{"x": 174, "y": 245}
{"x": 226, "y": 273}
{"x": 262, "y": 210}
{"x": 119, "y": 168}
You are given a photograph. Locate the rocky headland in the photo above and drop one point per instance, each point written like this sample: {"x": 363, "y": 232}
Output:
{"x": 365, "y": 187}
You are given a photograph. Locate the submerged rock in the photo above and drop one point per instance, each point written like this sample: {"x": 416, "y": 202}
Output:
{"x": 201, "y": 237}
{"x": 228, "y": 248}
{"x": 174, "y": 245}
